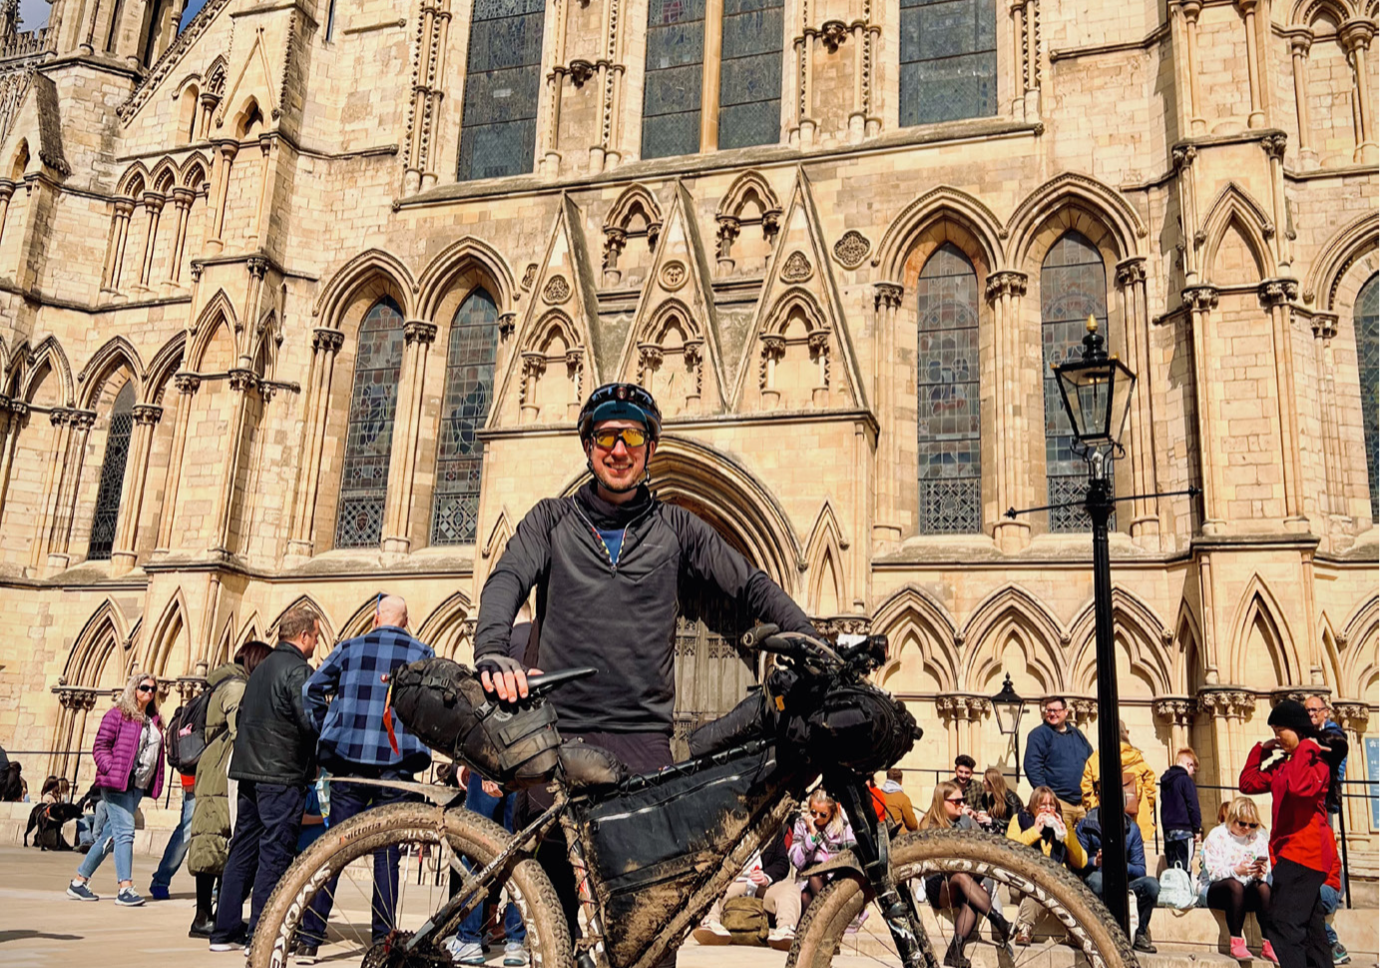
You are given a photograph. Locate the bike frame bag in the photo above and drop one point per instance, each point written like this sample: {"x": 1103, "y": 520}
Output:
{"x": 653, "y": 845}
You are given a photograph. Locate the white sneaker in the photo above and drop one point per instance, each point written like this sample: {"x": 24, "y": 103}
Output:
{"x": 781, "y": 939}
{"x": 515, "y": 955}
{"x": 466, "y": 952}
{"x": 711, "y": 933}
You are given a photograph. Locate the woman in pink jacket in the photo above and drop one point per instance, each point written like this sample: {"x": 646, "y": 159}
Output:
{"x": 129, "y": 765}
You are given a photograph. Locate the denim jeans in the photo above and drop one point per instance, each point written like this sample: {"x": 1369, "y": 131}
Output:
{"x": 267, "y": 819}
{"x": 120, "y": 833}
{"x": 1331, "y": 900}
{"x": 501, "y": 810}
{"x": 1145, "y": 895}
{"x": 176, "y": 850}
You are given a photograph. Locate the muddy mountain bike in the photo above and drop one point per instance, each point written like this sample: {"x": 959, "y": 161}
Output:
{"x": 650, "y": 854}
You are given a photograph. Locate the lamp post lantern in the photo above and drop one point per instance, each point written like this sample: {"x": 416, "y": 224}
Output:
{"x": 1008, "y": 707}
{"x": 1096, "y": 392}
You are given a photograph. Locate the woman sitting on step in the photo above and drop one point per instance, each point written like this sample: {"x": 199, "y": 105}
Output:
{"x": 966, "y": 897}
{"x": 1234, "y": 870}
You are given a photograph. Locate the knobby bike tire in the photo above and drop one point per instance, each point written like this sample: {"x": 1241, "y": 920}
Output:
{"x": 469, "y": 835}
{"x": 919, "y": 854}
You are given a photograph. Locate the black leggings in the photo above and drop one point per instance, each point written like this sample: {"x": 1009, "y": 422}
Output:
{"x": 964, "y": 895}
{"x": 1236, "y": 899}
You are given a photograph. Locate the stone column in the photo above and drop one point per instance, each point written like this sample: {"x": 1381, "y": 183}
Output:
{"x": 418, "y": 336}
{"x": 1354, "y": 718}
{"x": 819, "y": 347}
{"x": 1275, "y": 295}
{"x": 1324, "y": 329}
{"x": 1178, "y": 712}
{"x": 153, "y": 204}
{"x": 115, "y": 251}
{"x": 182, "y": 201}
{"x": 1200, "y": 300}
{"x": 242, "y": 383}
{"x": 772, "y": 349}
{"x": 951, "y": 709}
{"x": 1183, "y": 18}
{"x": 1131, "y": 276}
{"x": 1274, "y": 147}
{"x": 1184, "y": 163}
{"x": 1018, "y": 62}
{"x": 123, "y": 553}
{"x": 6, "y": 193}
{"x": 1004, "y": 291}
{"x": 888, "y": 526}
{"x": 1227, "y": 707}
{"x": 1355, "y": 37}
{"x": 534, "y": 366}
{"x": 1300, "y": 41}
{"x": 711, "y": 75}
{"x": 269, "y": 155}
{"x": 326, "y": 343}
{"x": 207, "y": 102}
{"x": 187, "y": 384}
{"x": 79, "y": 424}
{"x": 15, "y": 414}
{"x": 1257, "y": 118}
{"x": 548, "y": 148}
{"x": 226, "y": 152}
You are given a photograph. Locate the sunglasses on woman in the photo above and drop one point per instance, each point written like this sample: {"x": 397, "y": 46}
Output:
{"x": 632, "y": 436}
{"x": 1247, "y": 824}
{"x": 144, "y": 689}
{"x": 956, "y": 799}
{"x": 822, "y": 814}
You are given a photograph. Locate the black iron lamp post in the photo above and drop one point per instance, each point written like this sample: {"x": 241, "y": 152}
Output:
{"x": 1008, "y": 707}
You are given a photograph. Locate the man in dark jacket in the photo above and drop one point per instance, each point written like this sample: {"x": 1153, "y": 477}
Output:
{"x": 1145, "y": 888}
{"x": 354, "y": 743}
{"x": 1180, "y": 809}
{"x": 1056, "y": 757}
{"x": 274, "y": 762}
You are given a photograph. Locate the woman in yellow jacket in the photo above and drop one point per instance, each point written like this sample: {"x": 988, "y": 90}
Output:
{"x": 1041, "y": 827}
{"x": 1132, "y": 763}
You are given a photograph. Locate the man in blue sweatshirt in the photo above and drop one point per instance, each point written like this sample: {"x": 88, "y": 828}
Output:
{"x": 1145, "y": 888}
{"x": 1056, "y": 756}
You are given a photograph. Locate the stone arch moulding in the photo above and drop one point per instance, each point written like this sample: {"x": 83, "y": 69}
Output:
{"x": 135, "y": 179}
{"x": 360, "y": 620}
{"x": 1359, "y": 655}
{"x": 1306, "y": 11}
{"x": 499, "y": 536}
{"x": 164, "y": 638}
{"x": 633, "y": 199}
{"x": 162, "y": 368}
{"x": 942, "y": 203}
{"x": 1144, "y": 631}
{"x": 1348, "y": 246}
{"x": 826, "y": 564}
{"x": 448, "y": 624}
{"x": 324, "y": 623}
{"x": 1012, "y": 609}
{"x": 219, "y": 311}
{"x": 249, "y": 632}
{"x": 1234, "y": 204}
{"x": 355, "y": 275}
{"x": 48, "y": 350}
{"x": 117, "y": 351}
{"x": 469, "y": 253}
{"x": 103, "y": 636}
{"x": 163, "y": 177}
{"x": 748, "y": 186}
{"x": 1070, "y": 190}
{"x": 1258, "y": 601}
{"x": 690, "y": 470}
{"x": 912, "y": 609}
{"x": 194, "y": 164}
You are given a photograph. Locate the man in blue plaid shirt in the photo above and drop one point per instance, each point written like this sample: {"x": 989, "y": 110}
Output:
{"x": 354, "y": 743}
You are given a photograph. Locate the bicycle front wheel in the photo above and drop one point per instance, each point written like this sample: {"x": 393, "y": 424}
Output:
{"x": 1065, "y": 923}
{"x": 435, "y": 849}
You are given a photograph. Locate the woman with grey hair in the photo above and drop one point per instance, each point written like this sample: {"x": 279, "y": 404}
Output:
{"x": 129, "y": 765}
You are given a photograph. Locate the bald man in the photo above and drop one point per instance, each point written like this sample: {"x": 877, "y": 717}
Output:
{"x": 354, "y": 743}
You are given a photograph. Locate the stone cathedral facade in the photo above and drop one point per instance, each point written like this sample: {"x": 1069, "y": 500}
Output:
{"x": 298, "y": 301}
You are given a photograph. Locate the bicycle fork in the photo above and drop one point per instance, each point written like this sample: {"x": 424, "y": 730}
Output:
{"x": 872, "y": 851}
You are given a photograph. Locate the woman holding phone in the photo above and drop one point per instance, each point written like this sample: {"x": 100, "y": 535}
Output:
{"x": 1234, "y": 871}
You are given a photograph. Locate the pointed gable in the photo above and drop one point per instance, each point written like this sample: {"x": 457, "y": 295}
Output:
{"x": 799, "y": 354}
{"x": 556, "y": 362}
{"x": 672, "y": 348}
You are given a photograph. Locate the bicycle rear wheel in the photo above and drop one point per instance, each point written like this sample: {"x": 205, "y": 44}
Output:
{"x": 432, "y": 845}
{"x": 1072, "y": 928}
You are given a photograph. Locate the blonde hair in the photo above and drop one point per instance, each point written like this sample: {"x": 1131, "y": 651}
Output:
{"x": 937, "y": 813}
{"x": 128, "y": 702}
{"x": 1190, "y": 753}
{"x": 836, "y": 826}
{"x": 998, "y": 806}
{"x": 1242, "y": 809}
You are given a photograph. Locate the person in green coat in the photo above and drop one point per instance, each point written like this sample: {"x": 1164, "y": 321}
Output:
{"x": 211, "y": 813}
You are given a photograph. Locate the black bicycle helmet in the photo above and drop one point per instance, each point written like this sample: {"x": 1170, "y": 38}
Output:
{"x": 620, "y": 401}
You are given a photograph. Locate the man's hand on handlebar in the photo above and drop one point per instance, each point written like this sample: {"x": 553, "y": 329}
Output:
{"x": 505, "y": 676}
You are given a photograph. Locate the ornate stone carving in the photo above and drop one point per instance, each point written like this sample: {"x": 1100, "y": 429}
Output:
{"x": 727, "y": 230}
{"x": 1324, "y": 325}
{"x": 1274, "y": 145}
{"x": 187, "y": 382}
{"x": 772, "y": 351}
{"x": 147, "y": 414}
{"x": 326, "y": 340}
{"x": 1130, "y": 272}
{"x": 889, "y": 295}
{"x": 650, "y": 356}
{"x": 580, "y": 71}
{"x": 1183, "y": 156}
{"x": 420, "y": 331}
{"x": 1354, "y": 716}
{"x": 1005, "y": 283}
{"x": 1201, "y": 298}
{"x": 242, "y": 380}
{"x": 1227, "y": 702}
{"x": 530, "y": 272}
{"x": 507, "y": 321}
{"x": 556, "y": 290}
{"x": 1278, "y": 292}
{"x": 672, "y": 275}
{"x": 796, "y": 268}
{"x": 1178, "y": 710}
{"x": 258, "y": 266}
{"x": 615, "y": 239}
{"x": 834, "y": 34}
{"x": 1084, "y": 710}
{"x": 851, "y": 249}
{"x": 1299, "y": 694}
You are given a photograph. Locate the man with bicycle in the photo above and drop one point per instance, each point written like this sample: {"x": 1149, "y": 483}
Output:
{"x": 612, "y": 566}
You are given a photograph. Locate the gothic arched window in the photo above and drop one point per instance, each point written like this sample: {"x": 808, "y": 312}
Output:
{"x": 673, "y": 78}
{"x": 751, "y": 73}
{"x": 107, "y": 512}
{"x": 370, "y": 427}
{"x": 946, "y": 60}
{"x": 469, "y": 388}
{"x": 1367, "y": 357}
{"x": 1073, "y": 289}
{"x": 499, "y": 114}
{"x": 948, "y": 394}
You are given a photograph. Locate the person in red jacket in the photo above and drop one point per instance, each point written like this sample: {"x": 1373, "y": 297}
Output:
{"x": 1294, "y": 768}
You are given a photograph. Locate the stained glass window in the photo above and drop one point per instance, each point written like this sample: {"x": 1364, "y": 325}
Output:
{"x": 499, "y": 115}
{"x": 1367, "y": 356}
{"x": 107, "y": 513}
{"x": 751, "y": 73}
{"x": 1073, "y": 288}
{"x": 947, "y": 60}
{"x": 948, "y": 394}
{"x": 370, "y": 427}
{"x": 673, "y": 78}
{"x": 470, "y": 386}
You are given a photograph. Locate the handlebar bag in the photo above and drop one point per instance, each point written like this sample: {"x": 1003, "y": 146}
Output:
{"x": 860, "y": 727}
{"x": 661, "y": 838}
{"x": 443, "y": 704}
